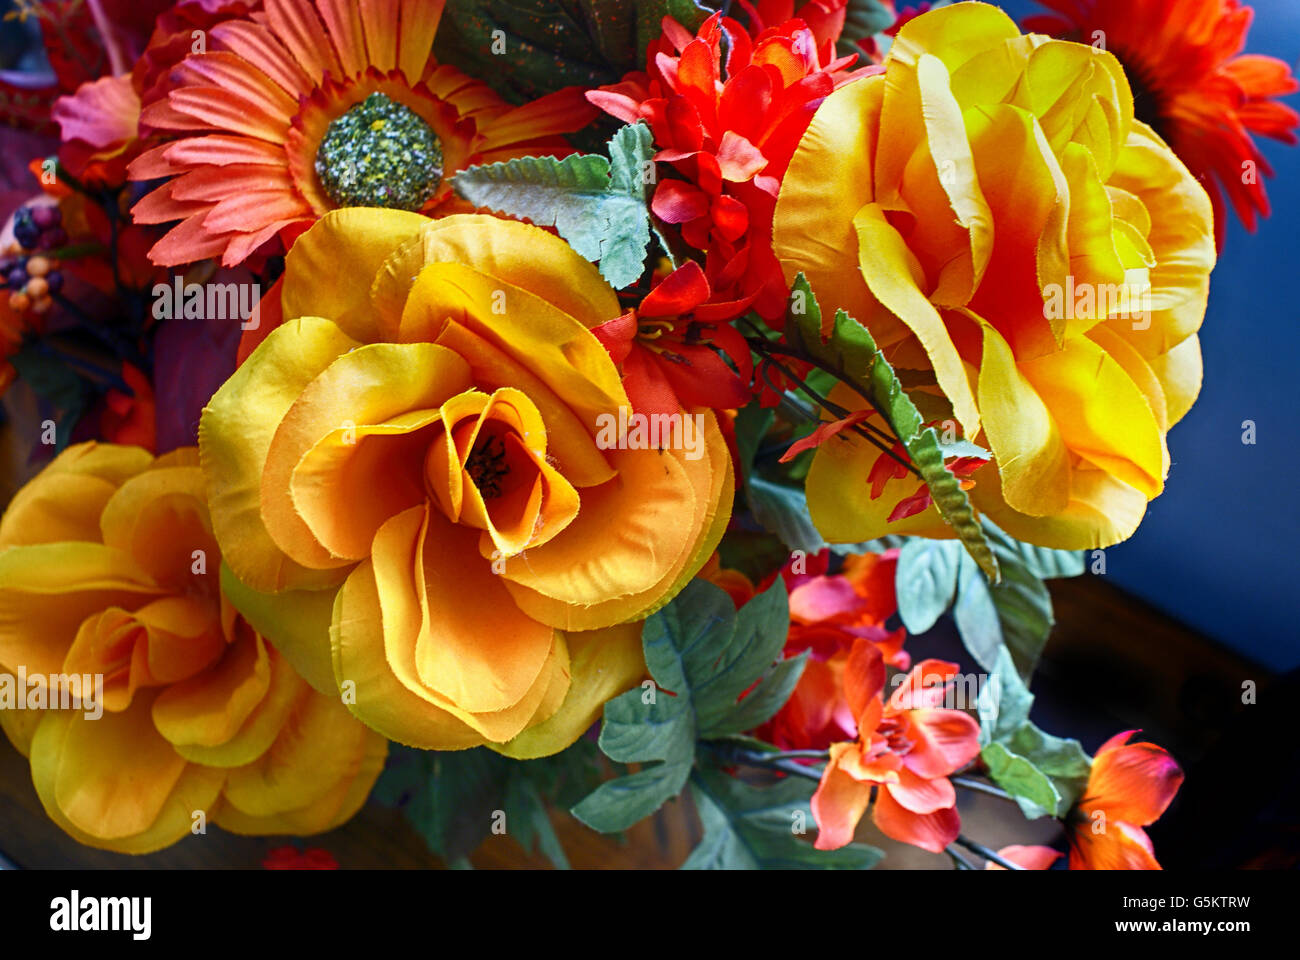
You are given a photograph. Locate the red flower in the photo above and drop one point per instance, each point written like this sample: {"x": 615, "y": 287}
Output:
{"x": 1130, "y": 786}
{"x": 1191, "y": 85}
{"x": 291, "y": 858}
{"x": 674, "y": 348}
{"x": 905, "y": 750}
{"x": 828, "y": 615}
{"x": 730, "y": 130}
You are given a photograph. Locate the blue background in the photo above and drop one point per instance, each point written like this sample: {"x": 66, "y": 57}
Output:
{"x": 1218, "y": 549}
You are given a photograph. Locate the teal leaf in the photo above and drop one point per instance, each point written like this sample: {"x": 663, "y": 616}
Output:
{"x": 747, "y": 827}
{"x": 703, "y": 655}
{"x": 925, "y": 581}
{"x": 596, "y": 204}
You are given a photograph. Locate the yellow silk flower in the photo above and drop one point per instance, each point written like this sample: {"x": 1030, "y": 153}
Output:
{"x": 108, "y": 567}
{"x": 406, "y": 478}
{"x": 990, "y": 210}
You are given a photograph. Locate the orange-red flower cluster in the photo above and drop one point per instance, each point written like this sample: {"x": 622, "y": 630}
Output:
{"x": 728, "y": 129}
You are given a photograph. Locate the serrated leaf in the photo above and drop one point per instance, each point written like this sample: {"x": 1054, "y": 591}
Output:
{"x": 851, "y": 353}
{"x": 702, "y": 655}
{"x": 597, "y": 205}
{"x": 528, "y": 821}
{"x": 753, "y": 828}
{"x": 1033, "y": 790}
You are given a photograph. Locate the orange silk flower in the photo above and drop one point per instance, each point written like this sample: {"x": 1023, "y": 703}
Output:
{"x": 906, "y": 748}
{"x": 413, "y": 481}
{"x": 109, "y": 569}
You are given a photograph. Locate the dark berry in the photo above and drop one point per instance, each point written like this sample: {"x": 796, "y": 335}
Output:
{"x": 46, "y": 217}
{"x": 53, "y": 238}
{"x": 55, "y": 280}
{"x": 27, "y": 235}
{"x": 16, "y": 278}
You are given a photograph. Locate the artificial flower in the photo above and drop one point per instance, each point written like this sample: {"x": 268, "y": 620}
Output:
{"x": 109, "y": 569}
{"x": 992, "y": 212}
{"x": 305, "y": 107}
{"x": 408, "y": 479}
{"x": 1027, "y": 857}
{"x": 905, "y": 750}
{"x": 1193, "y": 86}
{"x": 676, "y": 348}
{"x": 729, "y": 129}
{"x": 1129, "y": 787}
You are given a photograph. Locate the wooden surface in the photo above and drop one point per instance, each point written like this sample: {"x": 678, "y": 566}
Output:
{"x": 1112, "y": 663}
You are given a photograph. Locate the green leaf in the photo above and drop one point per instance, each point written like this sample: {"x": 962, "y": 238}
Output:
{"x": 783, "y": 510}
{"x": 1045, "y": 773}
{"x": 702, "y": 655}
{"x": 448, "y": 797}
{"x": 755, "y": 828}
{"x": 863, "y": 19}
{"x": 527, "y": 819}
{"x": 925, "y": 580}
{"x": 853, "y": 356}
{"x": 597, "y": 205}
{"x": 526, "y": 48}
{"x": 56, "y": 383}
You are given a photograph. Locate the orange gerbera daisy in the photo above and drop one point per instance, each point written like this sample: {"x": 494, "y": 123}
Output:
{"x": 1192, "y": 86}
{"x": 309, "y": 105}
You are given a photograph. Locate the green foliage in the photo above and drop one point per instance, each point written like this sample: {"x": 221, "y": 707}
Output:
{"x": 1046, "y": 774}
{"x": 597, "y": 205}
{"x": 544, "y": 45}
{"x": 863, "y": 19}
{"x": 703, "y": 655}
{"x": 852, "y": 355}
{"x": 57, "y": 384}
{"x": 450, "y": 798}
{"x": 747, "y": 827}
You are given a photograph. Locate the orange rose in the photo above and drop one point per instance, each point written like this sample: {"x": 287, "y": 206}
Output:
{"x": 412, "y": 479}
{"x": 180, "y": 713}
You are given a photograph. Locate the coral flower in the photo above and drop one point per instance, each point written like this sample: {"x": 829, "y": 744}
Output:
{"x": 828, "y": 614}
{"x": 410, "y": 488}
{"x": 1130, "y": 786}
{"x": 109, "y": 580}
{"x": 1193, "y": 86}
{"x": 730, "y": 129}
{"x": 305, "y": 107}
{"x": 990, "y": 210}
{"x": 666, "y": 347}
{"x": 905, "y": 750}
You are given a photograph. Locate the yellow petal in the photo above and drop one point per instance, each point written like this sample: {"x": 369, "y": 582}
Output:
{"x": 1102, "y": 415}
{"x": 604, "y": 663}
{"x": 296, "y": 622}
{"x": 515, "y": 253}
{"x": 235, "y": 434}
{"x": 330, "y": 268}
{"x": 367, "y": 385}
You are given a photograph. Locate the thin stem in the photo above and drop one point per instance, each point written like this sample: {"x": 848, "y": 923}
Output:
{"x": 116, "y": 59}
{"x": 980, "y": 787}
{"x": 958, "y": 860}
{"x": 797, "y": 755}
{"x": 987, "y": 854}
{"x": 784, "y": 762}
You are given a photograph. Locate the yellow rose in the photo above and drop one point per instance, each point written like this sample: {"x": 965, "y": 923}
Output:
{"x": 407, "y": 478}
{"x": 990, "y": 210}
{"x": 109, "y": 570}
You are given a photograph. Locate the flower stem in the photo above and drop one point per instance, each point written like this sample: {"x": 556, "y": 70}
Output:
{"x": 980, "y": 787}
{"x": 986, "y": 853}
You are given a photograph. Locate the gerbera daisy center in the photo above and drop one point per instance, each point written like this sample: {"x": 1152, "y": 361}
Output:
{"x": 380, "y": 153}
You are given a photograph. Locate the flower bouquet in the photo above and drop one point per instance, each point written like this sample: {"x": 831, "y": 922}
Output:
{"x": 539, "y": 413}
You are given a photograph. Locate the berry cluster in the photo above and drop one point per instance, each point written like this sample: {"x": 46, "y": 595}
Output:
{"x": 30, "y": 276}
